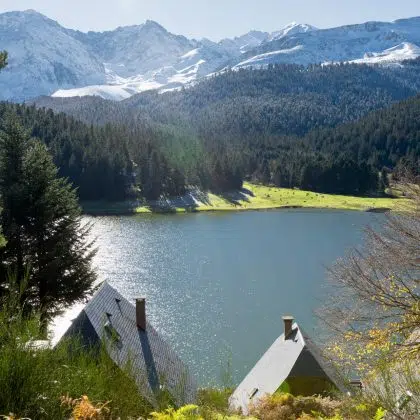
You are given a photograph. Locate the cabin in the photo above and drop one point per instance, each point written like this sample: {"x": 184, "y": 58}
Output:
{"x": 122, "y": 329}
{"x": 292, "y": 364}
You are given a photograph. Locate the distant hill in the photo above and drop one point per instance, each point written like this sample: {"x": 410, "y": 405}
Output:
{"x": 279, "y": 100}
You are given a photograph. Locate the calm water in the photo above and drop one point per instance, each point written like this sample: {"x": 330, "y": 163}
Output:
{"x": 217, "y": 284}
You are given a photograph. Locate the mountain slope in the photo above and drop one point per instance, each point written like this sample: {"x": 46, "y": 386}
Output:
{"x": 133, "y": 50}
{"x": 282, "y": 99}
{"x": 340, "y": 44}
{"x": 43, "y": 57}
{"x": 46, "y": 58}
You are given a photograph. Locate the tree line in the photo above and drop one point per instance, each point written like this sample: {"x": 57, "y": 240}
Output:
{"x": 115, "y": 162}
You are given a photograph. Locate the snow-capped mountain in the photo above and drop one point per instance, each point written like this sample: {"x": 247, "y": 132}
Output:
{"x": 160, "y": 61}
{"x": 47, "y": 59}
{"x": 346, "y": 43}
{"x": 43, "y": 57}
{"x": 132, "y": 50}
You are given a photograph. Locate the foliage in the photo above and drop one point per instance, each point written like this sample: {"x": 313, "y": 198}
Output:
{"x": 375, "y": 310}
{"x": 380, "y": 414}
{"x": 196, "y": 412}
{"x": 285, "y": 406}
{"x": 41, "y": 221}
{"x": 187, "y": 412}
{"x": 213, "y": 400}
{"x": 83, "y": 409}
{"x": 33, "y": 380}
{"x": 395, "y": 387}
{"x": 374, "y": 313}
{"x": 3, "y": 59}
{"x": 3, "y": 241}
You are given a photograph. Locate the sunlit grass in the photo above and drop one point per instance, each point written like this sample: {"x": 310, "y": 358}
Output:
{"x": 262, "y": 197}
{"x": 256, "y": 197}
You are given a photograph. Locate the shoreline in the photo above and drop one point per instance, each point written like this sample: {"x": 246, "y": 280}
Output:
{"x": 251, "y": 198}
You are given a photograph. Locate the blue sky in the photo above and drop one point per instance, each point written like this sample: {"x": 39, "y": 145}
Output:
{"x": 215, "y": 19}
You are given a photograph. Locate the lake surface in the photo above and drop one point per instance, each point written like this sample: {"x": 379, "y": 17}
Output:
{"x": 217, "y": 284}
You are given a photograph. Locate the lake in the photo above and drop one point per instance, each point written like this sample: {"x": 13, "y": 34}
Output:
{"x": 217, "y": 284}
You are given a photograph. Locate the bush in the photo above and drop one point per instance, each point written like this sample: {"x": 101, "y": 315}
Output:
{"x": 188, "y": 412}
{"x": 213, "y": 399}
{"x": 285, "y": 406}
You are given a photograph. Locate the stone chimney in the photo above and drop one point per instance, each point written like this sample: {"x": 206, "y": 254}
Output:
{"x": 288, "y": 322}
{"x": 141, "y": 313}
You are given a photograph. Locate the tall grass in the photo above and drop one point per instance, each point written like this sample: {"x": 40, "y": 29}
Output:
{"x": 33, "y": 381}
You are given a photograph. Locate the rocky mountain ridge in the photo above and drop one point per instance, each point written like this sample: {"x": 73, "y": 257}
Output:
{"x": 48, "y": 59}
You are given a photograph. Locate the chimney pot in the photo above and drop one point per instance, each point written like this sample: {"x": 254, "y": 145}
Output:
{"x": 141, "y": 313}
{"x": 288, "y": 322}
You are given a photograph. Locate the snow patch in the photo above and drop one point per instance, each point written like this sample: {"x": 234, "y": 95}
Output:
{"x": 191, "y": 53}
{"x": 266, "y": 58}
{"x": 401, "y": 52}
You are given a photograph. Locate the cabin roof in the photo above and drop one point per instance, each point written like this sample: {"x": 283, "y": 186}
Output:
{"x": 111, "y": 319}
{"x": 277, "y": 363}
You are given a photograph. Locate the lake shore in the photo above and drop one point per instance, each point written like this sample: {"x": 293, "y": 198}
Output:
{"x": 251, "y": 198}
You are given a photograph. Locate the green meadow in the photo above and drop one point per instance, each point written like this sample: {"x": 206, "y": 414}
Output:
{"x": 251, "y": 197}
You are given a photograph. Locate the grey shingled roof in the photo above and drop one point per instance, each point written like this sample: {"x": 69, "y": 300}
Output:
{"x": 277, "y": 363}
{"x": 110, "y": 318}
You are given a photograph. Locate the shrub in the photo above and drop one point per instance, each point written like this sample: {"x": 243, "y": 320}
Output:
{"x": 84, "y": 409}
{"x": 188, "y": 412}
{"x": 285, "y": 406}
{"x": 214, "y": 399}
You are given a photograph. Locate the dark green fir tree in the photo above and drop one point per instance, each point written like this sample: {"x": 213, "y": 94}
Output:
{"x": 41, "y": 220}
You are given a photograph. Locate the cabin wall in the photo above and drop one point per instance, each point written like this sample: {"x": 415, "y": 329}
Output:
{"x": 307, "y": 378}
{"x": 307, "y": 386}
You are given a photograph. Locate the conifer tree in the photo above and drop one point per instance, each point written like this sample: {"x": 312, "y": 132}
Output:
{"x": 3, "y": 63}
{"x": 13, "y": 142}
{"x": 42, "y": 224}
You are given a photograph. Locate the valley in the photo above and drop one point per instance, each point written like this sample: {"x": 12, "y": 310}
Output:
{"x": 209, "y": 229}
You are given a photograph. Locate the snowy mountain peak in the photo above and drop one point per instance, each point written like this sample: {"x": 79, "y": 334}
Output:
{"x": 29, "y": 15}
{"x": 26, "y": 12}
{"x": 292, "y": 29}
{"x": 153, "y": 25}
{"x": 148, "y": 25}
{"x": 32, "y": 12}
{"x": 243, "y": 43}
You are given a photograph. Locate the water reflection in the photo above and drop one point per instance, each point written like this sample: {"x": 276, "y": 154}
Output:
{"x": 217, "y": 285}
